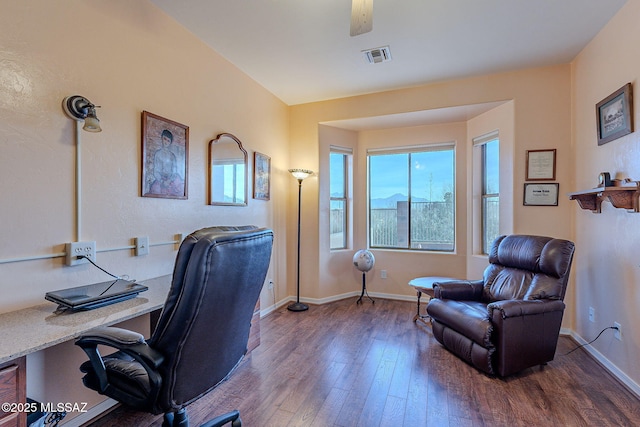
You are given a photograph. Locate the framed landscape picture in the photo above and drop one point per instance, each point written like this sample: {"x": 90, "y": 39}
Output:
{"x": 165, "y": 154}
{"x": 614, "y": 115}
{"x": 261, "y": 176}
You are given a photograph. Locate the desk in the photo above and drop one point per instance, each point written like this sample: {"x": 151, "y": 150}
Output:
{"x": 36, "y": 328}
{"x": 425, "y": 285}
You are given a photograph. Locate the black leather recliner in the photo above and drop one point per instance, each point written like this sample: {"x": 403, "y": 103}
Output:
{"x": 201, "y": 335}
{"x": 510, "y": 320}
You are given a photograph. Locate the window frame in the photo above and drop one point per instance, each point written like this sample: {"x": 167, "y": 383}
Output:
{"x": 482, "y": 142}
{"x": 417, "y": 149}
{"x": 347, "y": 161}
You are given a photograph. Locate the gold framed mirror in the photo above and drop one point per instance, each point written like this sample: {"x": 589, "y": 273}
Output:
{"x": 227, "y": 171}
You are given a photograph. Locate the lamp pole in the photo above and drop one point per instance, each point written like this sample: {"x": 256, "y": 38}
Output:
{"x": 300, "y": 175}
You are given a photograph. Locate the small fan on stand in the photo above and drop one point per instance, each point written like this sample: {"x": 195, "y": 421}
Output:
{"x": 364, "y": 261}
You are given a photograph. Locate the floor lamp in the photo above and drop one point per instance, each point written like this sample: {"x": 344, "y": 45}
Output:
{"x": 300, "y": 175}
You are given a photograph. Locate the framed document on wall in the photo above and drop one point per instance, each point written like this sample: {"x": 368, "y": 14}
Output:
{"x": 541, "y": 194}
{"x": 541, "y": 165}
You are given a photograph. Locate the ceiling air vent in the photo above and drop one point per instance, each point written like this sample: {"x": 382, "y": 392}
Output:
{"x": 377, "y": 55}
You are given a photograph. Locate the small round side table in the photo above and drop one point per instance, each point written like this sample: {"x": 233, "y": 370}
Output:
{"x": 425, "y": 285}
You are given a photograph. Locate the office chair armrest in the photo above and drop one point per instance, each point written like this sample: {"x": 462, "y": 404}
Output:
{"x": 129, "y": 342}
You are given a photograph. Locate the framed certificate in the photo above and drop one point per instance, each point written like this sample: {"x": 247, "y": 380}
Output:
{"x": 541, "y": 194}
{"x": 541, "y": 165}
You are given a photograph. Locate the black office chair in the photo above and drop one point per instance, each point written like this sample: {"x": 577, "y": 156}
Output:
{"x": 202, "y": 332}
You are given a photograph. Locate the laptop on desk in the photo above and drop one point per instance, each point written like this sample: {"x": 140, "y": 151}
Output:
{"x": 95, "y": 295}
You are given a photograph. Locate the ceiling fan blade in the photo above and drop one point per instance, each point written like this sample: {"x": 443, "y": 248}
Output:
{"x": 361, "y": 17}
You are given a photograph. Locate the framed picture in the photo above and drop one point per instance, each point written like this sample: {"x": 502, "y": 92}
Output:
{"x": 614, "y": 115}
{"x": 261, "y": 176}
{"x": 541, "y": 194}
{"x": 541, "y": 165}
{"x": 165, "y": 156}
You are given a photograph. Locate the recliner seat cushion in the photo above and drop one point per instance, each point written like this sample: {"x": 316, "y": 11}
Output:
{"x": 469, "y": 318}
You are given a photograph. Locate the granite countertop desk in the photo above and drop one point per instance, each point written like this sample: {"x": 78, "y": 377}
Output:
{"x": 35, "y": 328}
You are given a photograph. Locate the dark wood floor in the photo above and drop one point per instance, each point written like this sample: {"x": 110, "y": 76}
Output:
{"x": 343, "y": 364}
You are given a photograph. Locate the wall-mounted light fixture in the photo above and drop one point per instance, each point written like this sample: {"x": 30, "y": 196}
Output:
{"x": 80, "y": 108}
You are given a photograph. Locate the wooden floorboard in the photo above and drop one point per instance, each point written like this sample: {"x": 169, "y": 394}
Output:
{"x": 347, "y": 364}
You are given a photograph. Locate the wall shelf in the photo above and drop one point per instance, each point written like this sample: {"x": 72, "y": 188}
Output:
{"x": 626, "y": 197}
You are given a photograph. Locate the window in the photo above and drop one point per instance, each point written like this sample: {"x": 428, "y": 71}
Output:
{"x": 490, "y": 191}
{"x": 412, "y": 198}
{"x": 339, "y": 166}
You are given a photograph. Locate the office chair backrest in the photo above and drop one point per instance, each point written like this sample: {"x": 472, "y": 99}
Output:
{"x": 204, "y": 326}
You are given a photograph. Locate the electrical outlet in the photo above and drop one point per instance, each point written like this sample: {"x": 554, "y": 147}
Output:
{"x": 75, "y": 249}
{"x": 592, "y": 314}
{"x": 618, "y": 332}
{"x": 270, "y": 285}
{"x": 142, "y": 246}
{"x": 383, "y": 274}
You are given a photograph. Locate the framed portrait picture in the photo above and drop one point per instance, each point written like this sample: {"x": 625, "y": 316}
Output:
{"x": 165, "y": 157}
{"x": 541, "y": 194}
{"x": 261, "y": 176}
{"x": 614, "y": 115}
{"x": 541, "y": 165}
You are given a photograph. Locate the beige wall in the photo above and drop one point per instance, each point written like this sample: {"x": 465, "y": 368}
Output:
{"x": 127, "y": 57}
{"x": 540, "y": 118}
{"x": 607, "y": 270}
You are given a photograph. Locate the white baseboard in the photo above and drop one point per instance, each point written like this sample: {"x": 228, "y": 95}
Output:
{"x": 605, "y": 363}
{"x": 320, "y": 301}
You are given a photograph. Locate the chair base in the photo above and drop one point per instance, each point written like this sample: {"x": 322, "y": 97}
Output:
{"x": 176, "y": 419}
{"x": 181, "y": 419}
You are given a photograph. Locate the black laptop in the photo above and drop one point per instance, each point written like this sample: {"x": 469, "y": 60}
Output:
{"x": 95, "y": 295}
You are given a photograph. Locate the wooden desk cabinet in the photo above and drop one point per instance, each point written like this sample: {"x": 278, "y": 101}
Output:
{"x": 13, "y": 387}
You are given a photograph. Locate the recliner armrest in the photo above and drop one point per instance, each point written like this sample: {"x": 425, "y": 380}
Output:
{"x": 461, "y": 290}
{"x": 517, "y": 308}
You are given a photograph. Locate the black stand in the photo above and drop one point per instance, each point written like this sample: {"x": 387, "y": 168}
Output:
{"x": 298, "y": 306}
{"x": 364, "y": 290}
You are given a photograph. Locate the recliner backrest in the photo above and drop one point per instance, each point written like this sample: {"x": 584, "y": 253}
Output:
{"x": 527, "y": 267}
{"x": 204, "y": 326}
